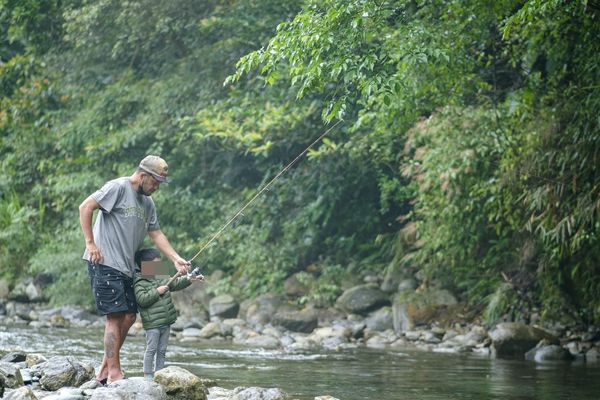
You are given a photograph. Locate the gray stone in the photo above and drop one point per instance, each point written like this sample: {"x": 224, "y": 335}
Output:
{"x": 304, "y": 321}
{"x": 223, "y": 306}
{"x": 141, "y": 388}
{"x": 552, "y": 352}
{"x": 258, "y": 393}
{"x": 362, "y": 299}
{"x": 109, "y": 393}
{"x": 412, "y": 309}
{"x": 512, "y": 339}
{"x": 61, "y": 371}
{"x": 380, "y": 320}
{"x": 14, "y": 357}
{"x": 11, "y": 374}
{"x": 294, "y": 287}
{"x": 263, "y": 341}
{"x": 180, "y": 384}
{"x": 260, "y": 310}
{"x": 22, "y": 393}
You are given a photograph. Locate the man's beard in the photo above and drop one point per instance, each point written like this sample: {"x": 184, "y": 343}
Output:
{"x": 141, "y": 189}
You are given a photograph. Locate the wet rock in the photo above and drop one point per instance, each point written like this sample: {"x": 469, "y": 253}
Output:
{"x": 58, "y": 321}
{"x": 380, "y": 320}
{"x": 260, "y": 310}
{"x": 140, "y": 388}
{"x": 304, "y": 321}
{"x": 34, "y": 358}
{"x": 180, "y": 384}
{"x": 109, "y": 393}
{"x": 407, "y": 285}
{"x": 228, "y": 325}
{"x": 60, "y": 371}
{"x": 294, "y": 287}
{"x": 411, "y": 309}
{"x": 257, "y": 393}
{"x": 263, "y": 341}
{"x": 551, "y": 352}
{"x": 65, "y": 394}
{"x": 11, "y": 374}
{"x": 210, "y": 330}
{"x": 14, "y": 357}
{"x": 362, "y": 299}
{"x": 223, "y": 306}
{"x": 22, "y": 393}
{"x": 592, "y": 355}
{"x": 512, "y": 339}
{"x": 193, "y": 302}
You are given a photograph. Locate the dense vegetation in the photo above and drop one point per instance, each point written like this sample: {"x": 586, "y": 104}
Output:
{"x": 467, "y": 155}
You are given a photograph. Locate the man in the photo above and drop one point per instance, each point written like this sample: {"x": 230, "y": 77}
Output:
{"x": 127, "y": 214}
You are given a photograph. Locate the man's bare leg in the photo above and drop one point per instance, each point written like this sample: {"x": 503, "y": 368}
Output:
{"x": 129, "y": 320}
{"x": 115, "y": 331}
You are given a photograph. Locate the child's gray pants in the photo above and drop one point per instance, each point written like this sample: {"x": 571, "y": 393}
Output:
{"x": 156, "y": 346}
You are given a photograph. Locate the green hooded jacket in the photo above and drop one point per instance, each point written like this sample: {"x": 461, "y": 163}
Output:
{"x": 155, "y": 309}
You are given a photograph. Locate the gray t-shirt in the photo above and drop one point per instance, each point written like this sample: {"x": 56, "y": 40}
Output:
{"x": 124, "y": 219}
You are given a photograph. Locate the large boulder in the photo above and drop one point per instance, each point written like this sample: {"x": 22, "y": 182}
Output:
{"x": 223, "y": 306}
{"x": 304, "y": 321}
{"x": 260, "y": 310}
{"x": 193, "y": 301}
{"x": 411, "y": 309}
{"x": 553, "y": 352}
{"x": 62, "y": 371}
{"x": 181, "y": 384}
{"x": 513, "y": 339}
{"x": 140, "y": 388}
{"x": 380, "y": 320}
{"x": 362, "y": 299}
{"x": 10, "y": 374}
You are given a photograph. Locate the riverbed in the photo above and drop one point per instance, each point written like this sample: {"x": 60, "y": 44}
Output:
{"x": 351, "y": 374}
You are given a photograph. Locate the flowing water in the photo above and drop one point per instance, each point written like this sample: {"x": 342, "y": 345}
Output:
{"x": 356, "y": 374}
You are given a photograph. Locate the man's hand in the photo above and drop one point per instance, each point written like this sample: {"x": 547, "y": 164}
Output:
{"x": 96, "y": 256}
{"x": 181, "y": 265}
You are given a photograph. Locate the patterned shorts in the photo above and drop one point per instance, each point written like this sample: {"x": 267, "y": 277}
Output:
{"x": 113, "y": 290}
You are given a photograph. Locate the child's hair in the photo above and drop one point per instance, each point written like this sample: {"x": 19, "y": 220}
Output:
{"x": 146, "y": 255}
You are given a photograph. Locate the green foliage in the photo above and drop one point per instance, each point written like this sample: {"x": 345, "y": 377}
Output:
{"x": 468, "y": 149}
{"x": 28, "y": 24}
{"x": 18, "y": 226}
{"x": 327, "y": 287}
{"x": 62, "y": 260}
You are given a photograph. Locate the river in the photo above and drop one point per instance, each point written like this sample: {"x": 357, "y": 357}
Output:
{"x": 353, "y": 374}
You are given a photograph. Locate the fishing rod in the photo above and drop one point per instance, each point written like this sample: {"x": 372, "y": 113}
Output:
{"x": 196, "y": 271}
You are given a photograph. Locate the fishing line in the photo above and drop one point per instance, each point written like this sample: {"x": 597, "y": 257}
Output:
{"x": 261, "y": 191}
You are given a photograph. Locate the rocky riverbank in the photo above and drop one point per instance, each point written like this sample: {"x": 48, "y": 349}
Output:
{"x": 367, "y": 314}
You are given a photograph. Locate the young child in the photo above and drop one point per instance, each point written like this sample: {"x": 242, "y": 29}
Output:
{"x": 156, "y": 307}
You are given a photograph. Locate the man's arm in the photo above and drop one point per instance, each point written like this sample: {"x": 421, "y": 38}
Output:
{"x": 161, "y": 241}
{"x": 86, "y": 212}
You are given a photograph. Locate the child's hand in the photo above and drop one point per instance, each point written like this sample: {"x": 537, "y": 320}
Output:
{"x": 197, "y": 278}
{"x": 162, "y": 289}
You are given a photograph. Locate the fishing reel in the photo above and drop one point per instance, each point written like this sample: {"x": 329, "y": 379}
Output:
{"x": 195, "y": 273}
